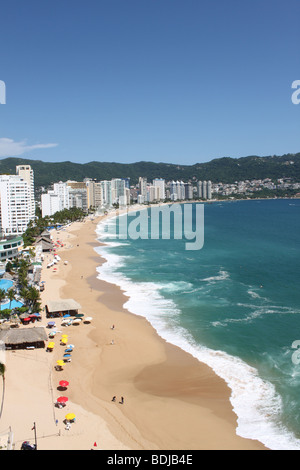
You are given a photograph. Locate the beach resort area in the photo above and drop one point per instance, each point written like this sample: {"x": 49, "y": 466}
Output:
{"x": 87, "y": 374}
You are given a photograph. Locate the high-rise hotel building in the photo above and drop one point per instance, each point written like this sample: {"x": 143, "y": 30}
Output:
{"x": 26, "y": 173}
{"x": 17, "y": 204}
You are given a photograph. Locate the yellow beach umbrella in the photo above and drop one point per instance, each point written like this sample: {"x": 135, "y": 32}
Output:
{"x": 70, "y": 416}
{"x": 60, "y": 362}
{"x": 64, "y": 341}
{"x": 51, "y": 345}
{"x": 64, "y": 336}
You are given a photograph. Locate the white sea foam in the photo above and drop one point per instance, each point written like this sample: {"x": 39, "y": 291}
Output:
{"x": 255, "y": 401}
{"x": 221, "y": 276}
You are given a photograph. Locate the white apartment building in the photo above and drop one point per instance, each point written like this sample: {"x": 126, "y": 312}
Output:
{"x": 49, "y": 203}
{"x": 204, "y": 189}
{"x": 106, "y": 193}
{"x": 16, "y": 205}
{"x": 26, "y": 173}
{"x": 160, "y": 184}
{"x": 94, "y": 193}
{"x": 118, "y": 190}
{"x": 56, "y": 199}
{"x": 143, "y": 187}
{"x": 177, "y": 190}
{"x": 153, "y": 193}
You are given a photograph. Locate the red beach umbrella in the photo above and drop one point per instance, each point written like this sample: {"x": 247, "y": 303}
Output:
{"x": 63, "y": 383}
{"x": 62, "y": 399}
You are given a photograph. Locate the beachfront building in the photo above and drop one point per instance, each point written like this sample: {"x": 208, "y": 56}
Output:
{"x": 152, "y": 193}
{"x": 160, "y": 184}
{"x": 204, "y": 189}
{"x": 49, "y": 203}
{"x": 55, "y": 200}
{"x": 209, "y": 190}
{"x": 23, "y": 338}
{"x": 189, "y": 193}
{"x": 26, "y": 173}
{"x": 142, "y": 196}
{"x": 118, "y": 189}
{"x": 58, "y": 308}
{"x": 177, "y": 191}
{"x": 16, "y": 204}
{"x": 106, "y": 193}
{"x": 199, "y": 189}
{"x": 94, "y": 193}
{"x": 10, "y": 247}
{"x": 78, "y": 195}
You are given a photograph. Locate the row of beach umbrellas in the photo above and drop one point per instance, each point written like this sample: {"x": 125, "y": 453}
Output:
{"x": 62, "y": 400}
{"x": 67, "y": 320}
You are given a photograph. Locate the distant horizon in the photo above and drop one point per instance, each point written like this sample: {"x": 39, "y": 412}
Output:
{"x": 148, "y": 161}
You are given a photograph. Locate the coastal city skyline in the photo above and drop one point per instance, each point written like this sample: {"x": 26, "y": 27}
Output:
{"x": 155, "y": 81}
{"x": 21, "y": 201}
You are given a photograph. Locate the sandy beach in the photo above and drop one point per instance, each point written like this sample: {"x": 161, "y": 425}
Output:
{"x": 171, "y": 400}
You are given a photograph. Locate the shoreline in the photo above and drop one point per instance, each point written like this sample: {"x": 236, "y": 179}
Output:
{"x": 172, "y": 401}
{"x": 138, "y": 378}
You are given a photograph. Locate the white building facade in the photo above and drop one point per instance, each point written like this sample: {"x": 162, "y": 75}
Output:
{"x": 55, "y": 200}
{"x": 26, "y": 173}
{"x": 16, "y": 205}
{"x": 160, "y": 184}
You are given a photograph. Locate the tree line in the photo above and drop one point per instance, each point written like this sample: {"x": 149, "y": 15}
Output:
{"x": 36, "y": 227}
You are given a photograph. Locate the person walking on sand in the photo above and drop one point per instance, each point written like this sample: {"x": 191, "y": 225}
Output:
{"x": 122, "y": 400}
{"x": 113, "y": 398}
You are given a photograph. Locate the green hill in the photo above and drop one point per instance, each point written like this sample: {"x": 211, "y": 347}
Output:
{"x": 226, "y": 170}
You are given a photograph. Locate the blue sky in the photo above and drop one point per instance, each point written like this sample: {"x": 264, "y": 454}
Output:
{"x": 179, "y": 81}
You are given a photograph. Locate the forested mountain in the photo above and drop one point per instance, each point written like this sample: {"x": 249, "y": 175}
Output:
{"x": 226, "y": 170}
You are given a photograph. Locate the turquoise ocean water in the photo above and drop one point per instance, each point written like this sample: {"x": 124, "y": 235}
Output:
{"x": 234, "y": 304}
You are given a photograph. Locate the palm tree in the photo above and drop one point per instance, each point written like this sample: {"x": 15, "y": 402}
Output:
{"x": 11, "y": 294}
{"x": 2, "y": 295}
{"x": 33, "y": 296}
{"x": 24, "y": 293}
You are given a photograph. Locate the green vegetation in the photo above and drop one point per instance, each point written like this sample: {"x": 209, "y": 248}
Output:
{"x": 30, "y": 295}
{"x": 226, "y": 170}
{"x": 37, "y": 226}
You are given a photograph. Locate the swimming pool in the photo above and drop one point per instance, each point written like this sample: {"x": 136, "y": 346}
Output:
{"x": 12, "y": 304}
{"x": 6, "y": 284}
